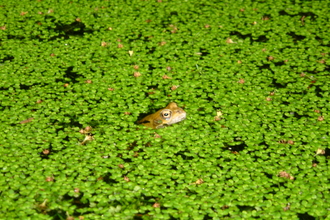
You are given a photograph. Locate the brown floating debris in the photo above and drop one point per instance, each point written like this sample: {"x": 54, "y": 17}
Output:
{"x": 26, "y": 121}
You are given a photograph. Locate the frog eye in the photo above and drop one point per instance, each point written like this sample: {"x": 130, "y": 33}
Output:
{"x": 166, "y": 114}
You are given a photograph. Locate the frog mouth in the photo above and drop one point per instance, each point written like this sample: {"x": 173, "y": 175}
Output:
{"x": 178, "y": 118}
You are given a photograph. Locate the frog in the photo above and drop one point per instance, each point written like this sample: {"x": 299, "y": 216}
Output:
{"x": 171, "y": 114}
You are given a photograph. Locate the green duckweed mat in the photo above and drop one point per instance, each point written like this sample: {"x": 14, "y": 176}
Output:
{"x": 253, "y": 77}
